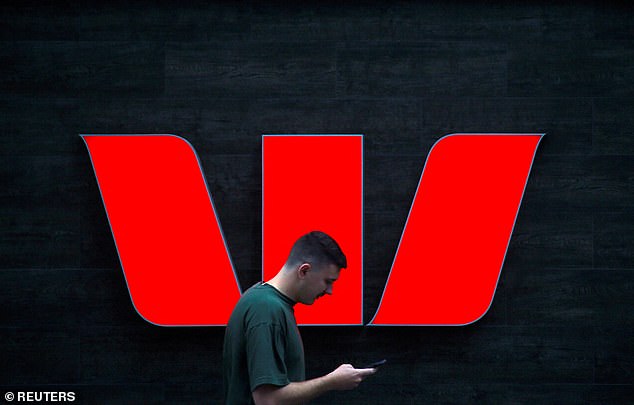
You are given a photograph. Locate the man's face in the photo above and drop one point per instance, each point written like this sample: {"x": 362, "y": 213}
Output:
{"x": 318, "y": 282}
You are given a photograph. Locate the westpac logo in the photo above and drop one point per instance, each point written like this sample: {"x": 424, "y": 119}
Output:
{"x": 179, "y": 271}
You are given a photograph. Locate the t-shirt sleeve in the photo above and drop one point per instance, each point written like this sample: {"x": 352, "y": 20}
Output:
{"x": 265, "y": 355}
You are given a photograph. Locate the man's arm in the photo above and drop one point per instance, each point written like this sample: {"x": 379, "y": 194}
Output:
{"x": 345, "y": 377}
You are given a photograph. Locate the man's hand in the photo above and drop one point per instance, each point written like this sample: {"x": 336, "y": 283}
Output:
{"x": 346, "y": 377}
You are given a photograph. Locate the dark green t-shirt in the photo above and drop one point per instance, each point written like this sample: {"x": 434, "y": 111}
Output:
{"x": 262, "y": 344}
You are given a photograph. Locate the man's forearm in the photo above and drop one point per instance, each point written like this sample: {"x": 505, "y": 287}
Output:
{"x": 345, "y": 377}
{"x": 293, "y": 393}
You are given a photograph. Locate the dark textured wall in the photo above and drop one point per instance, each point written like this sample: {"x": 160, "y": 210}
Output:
{"x": 560, "y": 329}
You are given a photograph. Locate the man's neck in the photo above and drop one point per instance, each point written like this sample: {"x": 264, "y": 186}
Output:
{"x": 280, "y": 283}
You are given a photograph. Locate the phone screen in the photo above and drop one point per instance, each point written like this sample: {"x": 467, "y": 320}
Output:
{"x": 376, "y": 364}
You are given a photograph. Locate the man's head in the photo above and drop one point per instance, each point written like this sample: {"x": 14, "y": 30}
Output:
{"x": 315, "y": 261}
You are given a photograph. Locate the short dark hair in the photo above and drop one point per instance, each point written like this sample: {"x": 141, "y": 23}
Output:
{"x": 317, "y": 248}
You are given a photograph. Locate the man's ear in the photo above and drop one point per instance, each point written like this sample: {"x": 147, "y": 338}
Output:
{"x": 303, "y": 270}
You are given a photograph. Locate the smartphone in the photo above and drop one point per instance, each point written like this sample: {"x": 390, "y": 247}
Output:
{"x": 376, "y": 364}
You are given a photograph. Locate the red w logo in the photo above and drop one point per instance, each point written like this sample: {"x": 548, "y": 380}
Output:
{"x": 447, "y": 265}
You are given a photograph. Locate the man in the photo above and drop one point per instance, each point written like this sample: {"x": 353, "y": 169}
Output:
{"x": 263, "y": 354}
